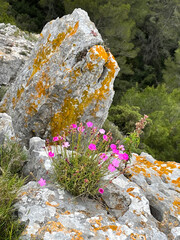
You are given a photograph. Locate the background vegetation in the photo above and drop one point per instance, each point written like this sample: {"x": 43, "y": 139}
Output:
{"x": 143, "y": 35}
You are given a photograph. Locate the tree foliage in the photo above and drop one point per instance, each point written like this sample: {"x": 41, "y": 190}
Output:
{"x": 162, "y": 136}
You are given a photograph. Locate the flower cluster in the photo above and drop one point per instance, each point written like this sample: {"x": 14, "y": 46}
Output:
{"x": 141, "y": 124}
{"x": 92, "y": 156}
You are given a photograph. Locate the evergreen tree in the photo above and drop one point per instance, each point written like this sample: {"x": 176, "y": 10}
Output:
{"x": 171, "y": 74}
{"x": 5, "y": 10}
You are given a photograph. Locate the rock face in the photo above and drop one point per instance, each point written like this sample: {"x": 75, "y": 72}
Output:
{"x": 142, "y": 204}
{"x": 6, "y": 128}
{"x": 15, "y": 49}
{"x": 68, "y": 78}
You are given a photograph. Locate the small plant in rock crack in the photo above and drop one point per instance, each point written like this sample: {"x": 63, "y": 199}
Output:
{"x": 132, "y": 141}
{"x": 91, "y": 156}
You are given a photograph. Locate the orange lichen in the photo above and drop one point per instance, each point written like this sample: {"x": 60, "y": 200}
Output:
{"x": 90, "y": 66}
{"x": 176, "y": 182}
{"x": 160, "y": 168}
{"x": 137, "y": 236}
{"x": 42, "y": 86}
{"x": 66, "y": 213}
{"x": 102, "y": 53}
{"x": 176, "y": 205}
{"x": 72, "y": 109}
{"x": 161, "y": 198}
{"x": 23, "y": 193}
{"x": 132, "y": 195}
{"x": 103, "y": 228}
{"x": 129, "y": 189}
{"x": 19, "y": 93}
{"x": 32, "y": 109}
{"x": 52, "y": 226}
{"x": 52, "y": 205}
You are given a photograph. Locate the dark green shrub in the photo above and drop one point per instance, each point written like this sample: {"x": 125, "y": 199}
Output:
{"x": 124, "y": 117}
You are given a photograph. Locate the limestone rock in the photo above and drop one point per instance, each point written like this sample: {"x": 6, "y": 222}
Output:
{"x": 160, "y": 184}
{"x": 68, "y": 78}
{"x": 142, "y": 204}
{"x": 15, "y": 49}
{"x": 6, "y": 128}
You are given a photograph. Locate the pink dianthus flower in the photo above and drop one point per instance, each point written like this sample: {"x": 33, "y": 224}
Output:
{"x": 92, "y": 147}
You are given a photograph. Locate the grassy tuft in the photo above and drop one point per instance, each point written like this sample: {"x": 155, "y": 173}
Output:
{"x": 11, "y": 161}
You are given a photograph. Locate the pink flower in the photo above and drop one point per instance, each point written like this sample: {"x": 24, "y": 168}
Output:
{"x": 115, "y": 162}
{"x": 121, "y": 147}
{"x": 101, "y": 190}
{"x": 92, "y": 147}
{"x": 125, "y": 156}
{"x": 113, "y": 146}
{"x": 81, "y": 129}
{"x": 51, "y": 154}
{"x": 86, "y": 180}
{"x": 66, "y": 144}
{"x": 103, "y": 156}
{"x": 73, "y": 126}
{"x": 105, "y": 137}
{"x": 55, "y": 139}
{"x": 89, "y": 124}
{"x": 42, "y": 182}
{"x": 111, "y": 168}
{"x": 102, "y": 131}
{"x": 115, "y": 151}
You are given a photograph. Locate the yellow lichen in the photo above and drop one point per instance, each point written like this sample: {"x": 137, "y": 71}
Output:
{"x": 47, "y": 50}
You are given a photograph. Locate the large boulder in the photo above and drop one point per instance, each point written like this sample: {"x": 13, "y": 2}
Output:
{"x": 15, "y": 49}
{"x": 68, "y": 78}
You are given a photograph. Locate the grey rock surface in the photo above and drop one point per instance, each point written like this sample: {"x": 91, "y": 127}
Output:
{"x": 15, "y": 49}
{"x": 6, "y": 128}
{"x": 68, "y": 78}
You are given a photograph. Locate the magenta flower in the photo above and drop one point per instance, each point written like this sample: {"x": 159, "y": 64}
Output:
{"x": 89, "y": 124}
{"x": 66, "y": 144}
{"x": 125, "y": 156}
{"x": 103, "y": 156}
{"x": 113, "y": 146}
{"x": 111, "y": 168}
{"x": 115, "y": 151}
{"x": 115, "y": 162}
{"x": 55, "y": 139}
{"x": 105, "y": 137}
{"x": 81, "y": 129}
{"x": 51, "y": 154}
{"x": 42, "y": 182}
{"x": 73, "y": 126}
{"x": 101, "y": 190}
{"x": 92, "y": 147}
{"x": 102, "y": 131}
